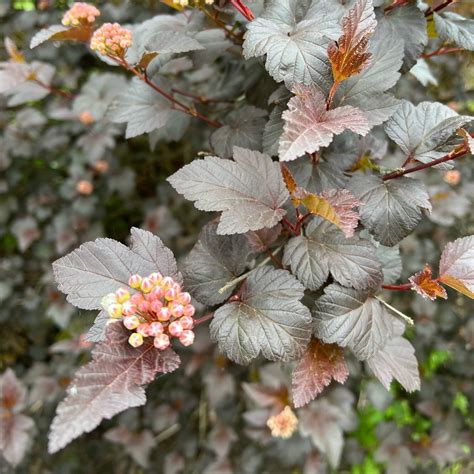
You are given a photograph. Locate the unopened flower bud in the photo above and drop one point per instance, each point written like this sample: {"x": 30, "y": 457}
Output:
{"x": 122, "y": 295}
{"x": 80, "y": 14}
{"x": 135, "y": 340}
{"x": 84, "y": 187}
{"x": 167, "y": 282}
{"x": 147, "y": 285}
{"x": 157, "y": 293}
{"x": 164, "y": 314}
{"x": 144, "y": 306}
{"x": 184, "y": 298}
{"x": 155, "y": 277}
{"x": 170, "y": 294}
{"x": 86, "y": 118}
{"x": 129, "y": 308}
{"x": 107, "y": 300}
{"x": 137, "y": 298}
{"x": 156, "y": 306}
{"x": 189, "y": 310}
{"x": 111, "y": 39}
{"x": 143, "y": 329}
{"x": 155, "y": 328}
{"x": 131, "y": 322}
{"x": 162, "y": 341}
{"x": 284, "y": 424}
{"x": 115, "y": 310}
{"x": 187, "y": 322}
{"x": 175, "y": 329}
{"x": 186, "y": 338}
{"x": 135, "y": 281}
{"x": 176, "y": 309}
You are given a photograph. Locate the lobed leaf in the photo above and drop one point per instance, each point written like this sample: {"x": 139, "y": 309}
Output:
{"x": 309, "y": 126}
{"x": 213, "y": 262}
{"x": 324, "y": 249}
{"x": 353, "y": 319}
{"x": 456, "y": 267}
{"x": 268, "y": 318}
{"x": 293, "y": 35}
{"x": 390, "y": 209}
{"x": 82, "y": 33}
{"x": 320, "y": 364}
{"x": 424, "y": 284}
{"x": 423, "y": 131}
{"x": 396, "y": 360}
{"x": 455, "y": 28}
{"x": 112, "y": 382}
{"x": 96, "y": 268}
{"x": 349, "y": 55}
{"x": 235, "y": 188}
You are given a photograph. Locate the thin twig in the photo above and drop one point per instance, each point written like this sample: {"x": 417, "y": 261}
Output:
{"x": 404, "y": 287}
{"x": 331, "y": 95}
{"x": 442, "y": 5}
{"x": 234, "y": 282}
{"x": 450, "y": 156}
{"x": 402, "y": 316}
{"x": 441, "y": 51}
{"x": 203, "y": 319}
{"x": 54, "y": 90}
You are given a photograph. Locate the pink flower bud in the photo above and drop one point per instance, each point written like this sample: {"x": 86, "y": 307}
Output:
{"x": 186, "y": 338}
{"x": 135, "y": 281}
{"x": 136, "y": 299}
{"x": 155, "y": 328}
{"x": 170, "y": 294}
{"x": 175, "y": 329}
{"x": 129, "y": 308}
{"x": 143, "y": 329}
{"x": 156, "y": 306}
{"x": 164, "y": 314}
{"x": 115, "y": 310}
{"x": 107, "y": 300}
{"x": 122, "y": 295}
{"x": 135, "y": 340}
{"x": 176, "y": 309}
{"x": 155, "y": 277}
{"x": 167, "y": 282}
{"x": 131, "y": 322}
{"x": 184, "y": 298}
{"x": 80, "y": 14}
{"x": 147, "y": 285}
{"x": 157, "y": 292}
{"x": 162, "y": 341}
{"x": 189, "y": 310}
{"x": 187, "y": 322}
{"x": 144, "y": 306}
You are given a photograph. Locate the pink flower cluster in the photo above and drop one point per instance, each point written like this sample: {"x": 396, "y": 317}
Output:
{"x": 80, "y": 14}
{"x": 158, "y": 309}
{"x": 111, "y": 39}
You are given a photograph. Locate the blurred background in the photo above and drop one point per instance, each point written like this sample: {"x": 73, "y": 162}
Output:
{"x": 67, "y": 176}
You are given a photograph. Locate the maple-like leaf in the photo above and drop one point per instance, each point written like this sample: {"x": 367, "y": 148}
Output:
{"x": 424, "y": 284}
{"x": 320, "y": 364}
{"x": 334, "y": 205}
{"x": 349, "y": 55}
{"x": 15, "y": 428}
{"x": 456, "y": 267}
{"x": 112, "y": 382}
{"x": 309, "y": 126}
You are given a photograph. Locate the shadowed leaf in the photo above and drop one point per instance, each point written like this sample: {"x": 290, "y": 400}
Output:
{"x": 320, "y": 364}
{"x": 62, "y": 33}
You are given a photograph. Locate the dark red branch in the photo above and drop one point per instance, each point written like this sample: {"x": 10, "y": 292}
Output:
{"x": 441, "y": 6}
{"x": 450, "y": 156}
{"x": 441, "y": 51}
{"x": 54, "y": 90}
{"x": 404, "y": 287}
{"x": 203, "y": 319}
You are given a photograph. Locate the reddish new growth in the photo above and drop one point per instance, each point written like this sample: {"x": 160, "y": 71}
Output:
{"x": 158, "y": 309}
{"x": 80, "y": 14}
{"x": 111, "y": 39}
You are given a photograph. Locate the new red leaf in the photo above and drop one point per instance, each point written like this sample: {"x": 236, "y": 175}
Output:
{"x": 424, "y": 284}
{"x": 321, "y": 363}
{"x": 112, "y": 382}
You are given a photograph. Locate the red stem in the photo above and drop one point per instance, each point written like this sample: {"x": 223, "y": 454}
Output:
{"x": 243, "y": 9}
{"x": 201, "y": 99}
{"x": 440, "y": 51}
{"x": 183, "y": 107}
{"x": 442, "y": 5}
{"x": 450, "y": 156}
{"x": 331, "y": 95}
{"x": 274, "y": 259}
{"x": 404, "y": 287}
{"x": 54, "y": 90}
{"x": 203, "y": 319}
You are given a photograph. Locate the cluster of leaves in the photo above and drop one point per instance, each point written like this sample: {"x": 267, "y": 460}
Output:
{"x": 305, "y": 151}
